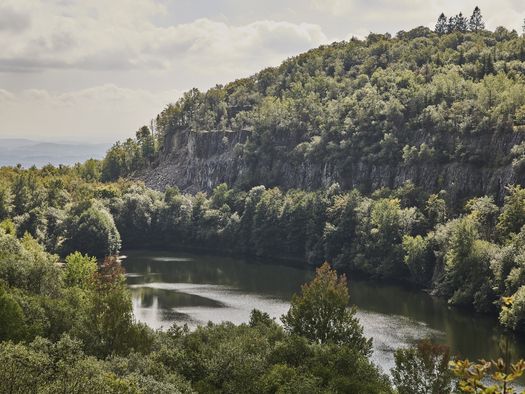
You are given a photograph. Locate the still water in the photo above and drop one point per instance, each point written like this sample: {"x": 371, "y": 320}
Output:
{"x": 194, "y": 289}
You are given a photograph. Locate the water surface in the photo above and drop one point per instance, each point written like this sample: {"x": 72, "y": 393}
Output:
{"x": 194, "y": 289}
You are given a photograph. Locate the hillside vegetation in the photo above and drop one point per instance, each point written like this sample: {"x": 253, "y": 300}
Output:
{"x": 445, "y": 109}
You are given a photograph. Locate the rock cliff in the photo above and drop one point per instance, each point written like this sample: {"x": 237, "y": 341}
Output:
{"x": 199, "y": 161}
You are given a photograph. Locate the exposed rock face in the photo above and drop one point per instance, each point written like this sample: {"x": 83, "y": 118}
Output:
{"x": 199, "y": 161}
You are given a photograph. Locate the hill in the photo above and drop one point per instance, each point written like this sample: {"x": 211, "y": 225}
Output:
{"x": 444, "y": 110}
{"x": 26, "y": 152}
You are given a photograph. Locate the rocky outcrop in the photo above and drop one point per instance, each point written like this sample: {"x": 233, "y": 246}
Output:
{"x": 198, "y": 161}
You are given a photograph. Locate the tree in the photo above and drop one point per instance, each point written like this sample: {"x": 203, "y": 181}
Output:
{"x": 12, "y": 325}
{"x": 6, "y": 200}
{"x": 457, "y": 23}
{"x": 475, "y": 22}
{"x": 321, "y": 313}
{"x": 436, "y": 210}
{"x": 441, "y": 25}
{"x": 143, "y": 133}
{"x": 422, "y": 369}
{"x": 512, "y": 313}
{"x": 114, "y": 164}
{"x": 91, "y": 229}
{"x": 61, "y": 367}
{"x": 108, "y": 327}
{"x": 418, "y": 258}
{"x": 461, "y": 23}
{"x": 79, "y": 270}
{"x": 512, "y": 217}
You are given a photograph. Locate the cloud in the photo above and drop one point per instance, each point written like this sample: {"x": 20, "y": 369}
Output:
{"x": 12, "y": 21}
{"x": 5, "y": 96}
{"x": 99, "y": 69}
{"x": 102, "y": 113}
{"x": 120, "y": 34}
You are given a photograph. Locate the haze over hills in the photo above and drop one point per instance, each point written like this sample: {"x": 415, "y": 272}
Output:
{"x": 28, "y": 152}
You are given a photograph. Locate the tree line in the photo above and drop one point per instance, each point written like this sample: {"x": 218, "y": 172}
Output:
{"x": 460, "y": 23}
{"x": 472, "y": 257}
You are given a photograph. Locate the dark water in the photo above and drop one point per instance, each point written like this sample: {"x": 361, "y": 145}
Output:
{"x": 195, "y": 289}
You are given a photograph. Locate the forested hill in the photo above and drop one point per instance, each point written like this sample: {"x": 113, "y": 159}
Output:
{"x": 444, "y": 108}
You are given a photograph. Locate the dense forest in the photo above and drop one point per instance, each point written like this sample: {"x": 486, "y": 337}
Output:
{"x": 422, "y": 97}
{"x": 473, "y": 259}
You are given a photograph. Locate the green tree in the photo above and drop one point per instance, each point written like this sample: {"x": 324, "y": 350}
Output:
{"x": 108, "y": 326}
{"x": 114, "y": 164}
{"x": 90, "y": 229}
{"x": 321, "y": 313}
{"x": 6, "y": 201}
{"x": 422, "y": 369}
{"x": 512, "y": 217}
{"x": 12, "y": 325}
{"x": 79, "y": 270}
{"x": 475, "y": 22}
{"x": 418, "y": 258}
{"x": 441, "y": 25}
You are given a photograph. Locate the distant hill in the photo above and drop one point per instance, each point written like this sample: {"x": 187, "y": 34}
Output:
{"x": 26, "y": 152}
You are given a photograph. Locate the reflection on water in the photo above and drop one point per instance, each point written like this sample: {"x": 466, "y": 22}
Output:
{"x": 194, "y": 289}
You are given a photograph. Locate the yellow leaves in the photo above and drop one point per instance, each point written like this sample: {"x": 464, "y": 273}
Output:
{"x": 507, "y": 301}
{"x": 473, "y": 376}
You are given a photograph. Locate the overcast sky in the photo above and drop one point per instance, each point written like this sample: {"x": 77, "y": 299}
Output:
{"x": 96, "y": 70}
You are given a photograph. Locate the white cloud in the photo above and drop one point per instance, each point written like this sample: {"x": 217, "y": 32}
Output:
{"x": 118, "y": 35}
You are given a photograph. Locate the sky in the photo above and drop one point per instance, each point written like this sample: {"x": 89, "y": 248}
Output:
{"x": 96, "y": 70}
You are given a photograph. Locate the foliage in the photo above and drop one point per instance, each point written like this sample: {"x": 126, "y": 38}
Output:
{"x": 80, "y": 270}
{"x": 513, "y": 311}
{"x": 90, "y": 229}
{"x": 321, "y": 313}
{"x": 418, "y": 258}
{"x": 471, "y": 256}
{"x": 422, "y": 369}
{"x": 11, "y": 317}
{"x": 472, "y": 376}
{"x": 420, "y": 98}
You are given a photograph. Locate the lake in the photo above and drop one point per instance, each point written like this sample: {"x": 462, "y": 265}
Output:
{"x": 192, "y": 289}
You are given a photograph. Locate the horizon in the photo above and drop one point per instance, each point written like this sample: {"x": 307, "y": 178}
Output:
{"x": 97, "y": 73}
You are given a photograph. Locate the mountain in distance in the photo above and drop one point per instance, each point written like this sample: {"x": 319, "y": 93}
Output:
{"x": 28, "y": 152}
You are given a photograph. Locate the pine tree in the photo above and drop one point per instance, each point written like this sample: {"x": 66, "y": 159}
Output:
{"x": 476, "y": 21}
{"x": 461, "y": 23}
{"x": 452, "y": 23}
{"x": 441, "y": 25}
